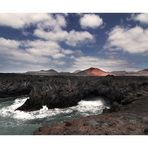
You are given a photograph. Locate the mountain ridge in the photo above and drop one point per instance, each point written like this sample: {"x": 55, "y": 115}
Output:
{"x": 92, "y": 71}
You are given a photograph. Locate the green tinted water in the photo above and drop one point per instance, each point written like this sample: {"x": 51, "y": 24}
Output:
{"x": 21, "y": 123}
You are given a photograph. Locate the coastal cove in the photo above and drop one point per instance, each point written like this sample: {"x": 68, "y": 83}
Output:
{"x": 15, "y": 122}
{"x": 66, "y": 97}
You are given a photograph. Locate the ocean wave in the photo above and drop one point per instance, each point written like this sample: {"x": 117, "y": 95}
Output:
{"x": 84, "y": 107}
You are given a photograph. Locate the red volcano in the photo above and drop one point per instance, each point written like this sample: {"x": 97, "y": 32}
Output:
{"x": 93, "y": 72}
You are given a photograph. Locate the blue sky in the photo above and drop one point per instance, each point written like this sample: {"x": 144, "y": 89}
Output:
{"x": 68, "y": 42}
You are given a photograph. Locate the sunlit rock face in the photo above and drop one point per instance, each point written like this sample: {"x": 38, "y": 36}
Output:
{"x": 93, "y": 72}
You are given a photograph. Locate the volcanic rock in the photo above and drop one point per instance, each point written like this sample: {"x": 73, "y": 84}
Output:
{"x": 93, "y": 72}
{"x": 105, "y": 124}
{"x": 127, "y": 97}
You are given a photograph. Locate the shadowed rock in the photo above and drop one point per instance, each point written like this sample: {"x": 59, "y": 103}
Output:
{"x": 61, "y": 92}
{"x": 128, "y": 97}
{"x": 12, "y": 85}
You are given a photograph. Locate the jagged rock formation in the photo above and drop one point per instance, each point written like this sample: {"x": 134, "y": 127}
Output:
{"x": 128, "y": 113}
{"x": 128, "y": 97}
{"x": 12, "y": 85}
{"x": 60, "y": 92}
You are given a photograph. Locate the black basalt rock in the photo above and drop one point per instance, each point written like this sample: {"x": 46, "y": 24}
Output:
{"x": 62, "y": 91}
{"x": 122, "y": 93}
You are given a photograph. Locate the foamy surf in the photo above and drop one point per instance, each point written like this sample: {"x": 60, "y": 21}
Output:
{"x": 84, "y": 108}
{"x": 90, "y": 107}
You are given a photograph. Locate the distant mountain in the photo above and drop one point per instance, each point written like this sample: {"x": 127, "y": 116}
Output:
{"x": 77, "y": 71}
{"x": 89, "y": 72}
{"x": 93, "y": 72}
{"x": 143, "y": 72}
{"x": 51, "y": 71}
{"x": 66, "y": 74}
{"x": 43, "y": 72}
{"x": 119, "y": 73}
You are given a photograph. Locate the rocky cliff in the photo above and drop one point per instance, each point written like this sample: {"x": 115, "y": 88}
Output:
{"x": 12, "y": 85}
{"x": 60, "y": 91}
{"x": 128, "y": 97}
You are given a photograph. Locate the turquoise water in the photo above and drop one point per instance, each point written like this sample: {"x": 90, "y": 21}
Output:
{"x": 14, "y": 122}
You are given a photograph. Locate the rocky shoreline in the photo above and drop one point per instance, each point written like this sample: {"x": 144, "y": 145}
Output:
{"x": 128, "y": 97}
{"x": 127, "y": 116}
{"x": 104, "y": 124}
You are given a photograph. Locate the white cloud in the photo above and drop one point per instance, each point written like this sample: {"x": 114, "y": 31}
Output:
{"x": 49, "y": 27}
{"x": 47, "y": 48}
{"x": 91, "y": 21}
{"x": 132, "y": 40}
{"x": 71, "y": 38}
{"x": 10, "y": 49}
{"x": 60, "y": 20}
{"x": 143, "y": 18}
{"x": 36, "y": 53}
{"x": 20, "y": 20}
{"x": 39, "y": 53}
{"x": 51, "y": 35}
{"x": 75, "y": 37}
{"x": 108, "y": 64}
{"x": 6, "y": 43}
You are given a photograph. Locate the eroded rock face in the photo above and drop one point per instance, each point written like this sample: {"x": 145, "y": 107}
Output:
{"x": 60, "y": 92}
{"x": 57, "y": 92}
{"x": 12, "y": 85}
{"x": 127, "y": 116}
{"x": 128, "y": 97}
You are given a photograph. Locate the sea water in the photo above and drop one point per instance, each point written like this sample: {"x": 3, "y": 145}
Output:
{"x": 15, "y": 122}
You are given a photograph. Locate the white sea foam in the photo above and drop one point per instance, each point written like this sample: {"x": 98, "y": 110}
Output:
{"x": 84, "y": 107}
{"x": 90, "y": 107}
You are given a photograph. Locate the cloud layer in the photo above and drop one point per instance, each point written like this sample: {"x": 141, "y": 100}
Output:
{"x": 53, "y": 41}
{"x": 143, "y": 18}
{"x": 21, "y": 20}
{"x": 108, "y": 64}
{"x": 44, "y": 52}
{"x": 91, "y": 21}
{"x": 37, "y": 55}
{"x": 71, "y": 38}
{"x": 131, "y": 40}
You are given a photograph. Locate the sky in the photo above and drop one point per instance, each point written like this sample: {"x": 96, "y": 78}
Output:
{"x": 73, "y": 41}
